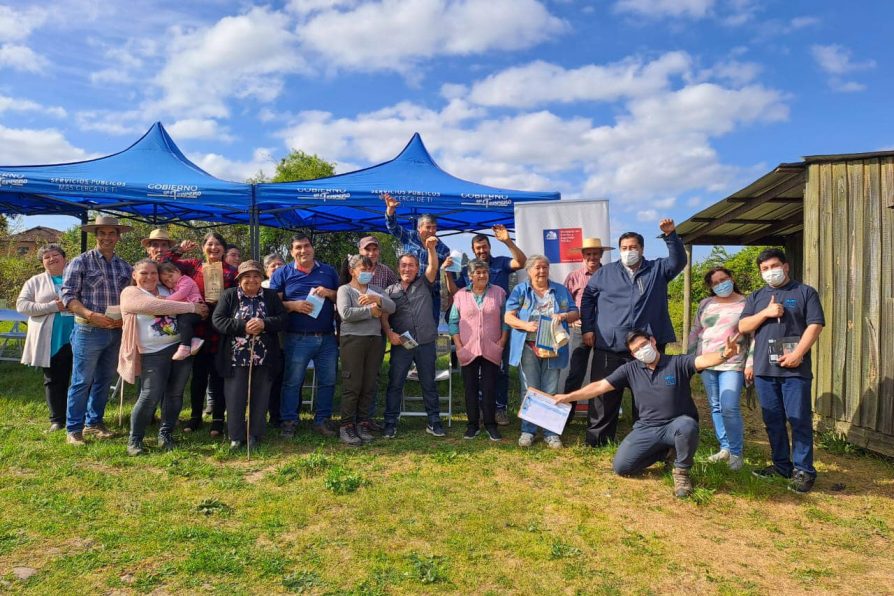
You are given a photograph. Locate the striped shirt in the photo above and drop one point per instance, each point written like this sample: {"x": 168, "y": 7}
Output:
{"x": 95, "y": 281}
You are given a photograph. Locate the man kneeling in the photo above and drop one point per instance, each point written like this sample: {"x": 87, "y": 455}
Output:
{"x": 668, "y": 418}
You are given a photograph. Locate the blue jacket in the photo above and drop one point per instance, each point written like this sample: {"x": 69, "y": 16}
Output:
{"x": 521, "y": 300}
{"x": 613, "y": 304}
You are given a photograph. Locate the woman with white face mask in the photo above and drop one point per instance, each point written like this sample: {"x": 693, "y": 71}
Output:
{"x": 717, "y": 320}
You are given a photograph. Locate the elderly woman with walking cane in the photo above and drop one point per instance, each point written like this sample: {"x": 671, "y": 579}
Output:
{"x": 248, "y": 318}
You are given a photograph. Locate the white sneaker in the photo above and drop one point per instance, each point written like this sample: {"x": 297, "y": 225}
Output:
{"x": 735, "y": 462}
{"x": 722, "y": 455}
{"x": 553, "y": 442}
{"x": 526, "y": 440}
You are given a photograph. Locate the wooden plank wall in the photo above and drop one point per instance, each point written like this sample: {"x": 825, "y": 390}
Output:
{"x": 848, "y": 258}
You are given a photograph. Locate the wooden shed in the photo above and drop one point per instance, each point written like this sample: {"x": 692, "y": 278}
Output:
{"x": 834, "y": 214}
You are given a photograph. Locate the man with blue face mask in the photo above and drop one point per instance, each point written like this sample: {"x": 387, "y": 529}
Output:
{"x": 630, "y": 293}
{"x": 668, "y": 418}
{"x": 786, "y": 318}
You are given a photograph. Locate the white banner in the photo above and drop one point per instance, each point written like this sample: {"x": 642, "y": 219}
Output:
{"x": 557, "y": 228}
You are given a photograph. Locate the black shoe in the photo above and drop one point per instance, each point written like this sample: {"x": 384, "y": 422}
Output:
{"x": 770, "y": 471}
{"x": 234, "y": 445}
{"x": 274, "y": 423}
{"x": 390, "y": 431}
{"x": 287, "y": 429}
{"x": 254, "y": 442}
{"x": 471, "y": 432}
{"x": 56, "y": 426}
{"x": 436, "y": 429}
{"x": 192, "y": 425}
{"x": 166, "y": 440}
{"x": 323, "y": 428}
{"x": 493, "y": 434}
{"x": 802, "y": 482}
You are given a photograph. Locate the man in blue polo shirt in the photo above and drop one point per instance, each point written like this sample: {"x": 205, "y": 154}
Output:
{"x": 630, "y": 293}
{"x": 307, "y": 337}
{"x": 668, "y": 418}
{"x": 786, "y": 318}
{"x": 500, "y": 269}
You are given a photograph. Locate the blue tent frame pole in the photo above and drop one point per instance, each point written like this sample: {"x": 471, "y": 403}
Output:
{"x": 254, "y": 226}
{"x": 84, "y": 219}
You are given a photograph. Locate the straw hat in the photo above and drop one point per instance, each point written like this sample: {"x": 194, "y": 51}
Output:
{"x": 157, "y": 234}
{"x": 592, "y": 243}
{"x": 247, "y": 266}
{"x": 106, "y": 221}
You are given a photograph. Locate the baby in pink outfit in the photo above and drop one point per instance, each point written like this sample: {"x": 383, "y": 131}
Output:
{"x": 183, "y": 289}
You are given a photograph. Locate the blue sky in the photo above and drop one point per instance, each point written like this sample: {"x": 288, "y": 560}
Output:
{"x": 661, "y": 106}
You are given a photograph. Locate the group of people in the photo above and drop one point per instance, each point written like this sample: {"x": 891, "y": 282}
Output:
{"x": 246, "y": 334}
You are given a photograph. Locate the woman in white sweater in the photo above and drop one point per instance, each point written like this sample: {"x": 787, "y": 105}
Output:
{"x": 47, "y": 342}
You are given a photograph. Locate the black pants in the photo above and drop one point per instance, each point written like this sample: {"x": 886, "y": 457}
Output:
{"x": 646, "y": 445}
{"x": 602, "y": 413}
{"x": 275, "y": 391}
{"x": 236, "y": 392}
{"x": 206, "y": 378}
{"x": 185, "y": 325}
{"x": 481, "y": 374}
{"x": 580, "y": 358}
{"x": 56, "y": 379}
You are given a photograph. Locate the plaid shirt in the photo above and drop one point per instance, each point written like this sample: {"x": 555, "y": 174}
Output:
{"x": 412, "y": 244}
{"x": 383, "y": 276}
{"x": 96, "y": 282}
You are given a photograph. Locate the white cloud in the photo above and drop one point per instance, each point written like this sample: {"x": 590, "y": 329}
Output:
{"x": 196, "y": 128}
{"x": 541, "y": 82}
{"x": 11, "y": 104}
{"x": 241, "y": 56}
{"x": 128, "y": 122}
{"x": 803, "y": 22}
{"x": 659, "y": 147}
{"x": 17, "y": 25}
{"x": 21, "y": 57}
{"x": 695, "y": 9}
{"x": 836, "y": 61}
{"x": 304, "y": 7}
{"x": 647, "y": 215}
{"x": 237, "y": 171}
{"x": 395, "y": 34}
{"x": 23, "y": 146}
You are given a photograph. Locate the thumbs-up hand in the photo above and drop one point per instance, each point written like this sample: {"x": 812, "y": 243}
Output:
{"x": 774, "y": 310}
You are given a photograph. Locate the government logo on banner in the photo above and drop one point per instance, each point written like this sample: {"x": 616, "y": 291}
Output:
{"x": 562, "y": 245}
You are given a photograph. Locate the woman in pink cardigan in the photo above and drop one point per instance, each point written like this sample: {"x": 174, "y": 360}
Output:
{"x": 479, "y": 334}
{"x": 149, "y": 339}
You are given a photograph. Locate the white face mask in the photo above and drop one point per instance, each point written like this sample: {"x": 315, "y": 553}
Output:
{"x": 630, "y": 257}
{"x": 774, "y": 277}
{"x": 646, "y": 354}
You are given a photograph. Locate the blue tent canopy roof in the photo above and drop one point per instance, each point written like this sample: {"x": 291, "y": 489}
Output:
{"x": 352, "y": 201}
{"x": 151, "y": 179}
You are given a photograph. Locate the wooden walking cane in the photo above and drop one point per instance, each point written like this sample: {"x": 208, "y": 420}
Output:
{"x": 251, "y": 365}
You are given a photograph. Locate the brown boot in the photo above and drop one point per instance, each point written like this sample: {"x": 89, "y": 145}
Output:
{"x": 682, "y": 483}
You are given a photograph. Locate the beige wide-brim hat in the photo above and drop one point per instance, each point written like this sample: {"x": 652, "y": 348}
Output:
{"x": 157, "y": 234}
{"x": 106, "y": 221}
{"x": 592, "y": 243}
{"x": 247, "y": 266}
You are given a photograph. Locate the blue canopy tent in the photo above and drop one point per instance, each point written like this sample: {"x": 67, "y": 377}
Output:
{"x": 150, "y": 180}
{"x": 351, "y": 201}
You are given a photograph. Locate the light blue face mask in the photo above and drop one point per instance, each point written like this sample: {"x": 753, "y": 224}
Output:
{"x": 365, "y": 277}
{"x": 724, "y": 288}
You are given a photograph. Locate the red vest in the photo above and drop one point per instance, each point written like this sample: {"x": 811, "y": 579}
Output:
{"x": 480, "y": 328}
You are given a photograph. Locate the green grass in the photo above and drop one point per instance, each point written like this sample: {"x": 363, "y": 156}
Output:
{"x": 420, "y": 514}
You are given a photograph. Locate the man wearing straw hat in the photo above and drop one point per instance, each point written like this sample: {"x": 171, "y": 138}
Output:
{"x": 158, "y": 245}
{"x": 91, "y": 289}
{"x": 591, "y": 250}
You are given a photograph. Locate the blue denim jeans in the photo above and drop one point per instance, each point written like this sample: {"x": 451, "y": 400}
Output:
{"x": 161, "y": 381}
{"x": 299, "y": 350}
{"x": 724, "y": 389}
{"x": 788, "y": 399}
{"x": 535, "y": 372}
{"x": 425, "y": 356}
{"x": 94, "y": 363}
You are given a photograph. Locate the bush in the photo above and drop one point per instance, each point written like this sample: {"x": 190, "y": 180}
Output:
{"x": 14, "y": 272}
